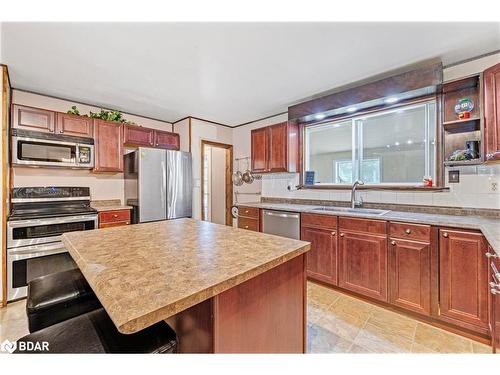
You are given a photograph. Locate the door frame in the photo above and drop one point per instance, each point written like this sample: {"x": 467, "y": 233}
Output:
{"x": 229, "y": 171}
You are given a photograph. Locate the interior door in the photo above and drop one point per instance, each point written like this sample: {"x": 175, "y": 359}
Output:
{"x": 152, "y": 184}
{"x": 179, "y": 184}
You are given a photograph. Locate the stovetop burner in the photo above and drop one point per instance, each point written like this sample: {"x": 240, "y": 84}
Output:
{"x": 43, "y": 202}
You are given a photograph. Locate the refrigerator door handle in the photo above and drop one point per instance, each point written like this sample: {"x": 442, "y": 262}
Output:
{"x": 163, "y": 183}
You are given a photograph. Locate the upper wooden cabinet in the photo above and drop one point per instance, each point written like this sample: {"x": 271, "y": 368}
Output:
{"x": 108, "y": 147}
{"x": 167, "y": 140}
{"x": 491, "y": 78}
{"x": 79, "y": 126}
{"x": 37, "y": 119}
{"x": 463, "y": 279}
{"x": 134, "y": 135}
{"x": 275, "y": 148}
{"x": 322, "y": 258}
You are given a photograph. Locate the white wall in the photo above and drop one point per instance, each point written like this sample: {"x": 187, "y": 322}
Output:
{"x": 182, "y": 128}
{"x": 203, "y": 130}
{"x": 102, "y": 185}
{"x": 474, "y": 190}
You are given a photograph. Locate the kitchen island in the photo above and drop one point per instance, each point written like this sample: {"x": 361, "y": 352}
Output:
{"x": 222, "y": 289}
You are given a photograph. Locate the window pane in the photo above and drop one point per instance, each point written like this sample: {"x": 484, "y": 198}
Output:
{"x": 329, "y": 152}
{"x": 395, "y": 144}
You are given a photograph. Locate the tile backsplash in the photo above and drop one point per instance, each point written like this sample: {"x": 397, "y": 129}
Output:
{"x": 479, "y": 187}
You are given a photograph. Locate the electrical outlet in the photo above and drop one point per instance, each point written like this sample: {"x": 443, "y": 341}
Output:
{"x": 493, "y": 185}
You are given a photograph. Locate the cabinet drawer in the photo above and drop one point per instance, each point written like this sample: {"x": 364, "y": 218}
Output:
{"x": 362, "y": 225}
{"x": 410, "y": 231}
{"x": 113, "y": 224}
{"x": 114, "y": 216}
{"x": 247, "y": 223}
{"x": 252, "y": 212}
{"x": 315, "y": 220}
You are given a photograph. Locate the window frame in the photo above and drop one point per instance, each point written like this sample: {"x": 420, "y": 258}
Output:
{"x": 438, "y": 184}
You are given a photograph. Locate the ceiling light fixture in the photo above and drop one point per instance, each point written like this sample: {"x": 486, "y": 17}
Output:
{"x": 391, "y": 100}
{"x": 396, "y": 143}
{"x": 352, "y": 109}
{"x": 409, "y": 141}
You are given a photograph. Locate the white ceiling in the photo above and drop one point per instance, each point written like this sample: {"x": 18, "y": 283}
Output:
{"x": 230, "y": 73}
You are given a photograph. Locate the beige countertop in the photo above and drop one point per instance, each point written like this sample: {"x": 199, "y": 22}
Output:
{"x": 109, "y": 205}
{"x": 488, "y": 226}
{"x": 145, "y": 273}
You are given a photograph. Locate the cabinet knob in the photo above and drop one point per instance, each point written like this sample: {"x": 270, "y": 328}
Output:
{"x": 115, "y": 215}
{"x": 393, "y": 243}
{"x": 246, "y": 211}
{"x": 408, "y": 231}
{"x": 246, "y": 226}
{"x": 341, "y": 234}
{"x": 445, "y": 235}
{"x": 334, "y": 233}
{"x": 61, "y": 131}
{"x": 490, "y": 255}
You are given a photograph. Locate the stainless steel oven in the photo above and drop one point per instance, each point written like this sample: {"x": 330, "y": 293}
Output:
{"x": 32, "y": 148}
{"x": 38, "y": 218}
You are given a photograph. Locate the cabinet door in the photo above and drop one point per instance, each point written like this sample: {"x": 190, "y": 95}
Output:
{"x": 259, "y": 140}
{"x": 409, "y": 275}
{"x": 108, "y": 139}
{"x": 79, "y": 126}
{"x": 137, "y": 136}
{"x": 248, "y": 223}
{"x": 463, "y": 279}
{"x": 29, "y": 118}
{"x": 322, "y": 258}
{"x": 363, "y": 263}
{"x": 492, "y": 112}
{"x": 166, "y": 140}
{"x": 278, "y": 136}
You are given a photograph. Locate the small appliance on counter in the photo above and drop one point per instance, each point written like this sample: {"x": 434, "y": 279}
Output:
{"x": 158, "y": 184}
{"x": 38, "y": 218}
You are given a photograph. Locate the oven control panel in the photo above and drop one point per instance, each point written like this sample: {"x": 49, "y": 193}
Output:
{"x": 50, "y": 192}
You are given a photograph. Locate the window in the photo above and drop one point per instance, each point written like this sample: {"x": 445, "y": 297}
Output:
{"x": 392, "y": 147}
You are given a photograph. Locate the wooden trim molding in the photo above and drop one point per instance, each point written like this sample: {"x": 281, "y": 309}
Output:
{"x": 229, "y": 171}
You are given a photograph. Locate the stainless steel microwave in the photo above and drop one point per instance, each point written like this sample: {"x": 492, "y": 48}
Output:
{"x": 32, "y": 148}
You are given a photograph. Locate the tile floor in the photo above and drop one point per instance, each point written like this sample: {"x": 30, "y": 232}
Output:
{"x": 337, "y": 323}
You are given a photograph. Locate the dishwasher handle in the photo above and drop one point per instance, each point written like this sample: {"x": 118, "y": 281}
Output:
{"x": 291, "y": 216}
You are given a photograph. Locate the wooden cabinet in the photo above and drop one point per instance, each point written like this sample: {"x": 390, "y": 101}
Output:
{"x": 134, "y": 135}
{"x": 166, "y": 140}
{"x": 249, "y": 218}
{"x": 108, "y": 147}
{"x": 114, "y": 218}
{"x": 36, "y": 119}
{"x": 275, "y": 148}
{"x": 463, "y": 279}
{"x": 410, "y": 275}
{"x": 322, "y": 258}
{"x": 79, "y": 126}
{"x": 363, "y": 258}
{"x": 491, "y": 142}
{"x": 259, "y": 146}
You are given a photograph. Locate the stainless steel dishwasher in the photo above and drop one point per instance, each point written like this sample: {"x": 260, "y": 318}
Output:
{"x": 281, "y": 223}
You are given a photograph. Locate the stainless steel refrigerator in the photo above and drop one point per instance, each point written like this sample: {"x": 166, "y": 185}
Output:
{"x": 158, "y": 184}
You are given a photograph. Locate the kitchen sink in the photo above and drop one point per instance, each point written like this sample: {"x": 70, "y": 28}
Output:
{"x": 369, "y": 211}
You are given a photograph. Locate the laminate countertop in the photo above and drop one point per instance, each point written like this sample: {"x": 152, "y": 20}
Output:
{"x": 145, "y": 273}
{"x": 488, "y": 226}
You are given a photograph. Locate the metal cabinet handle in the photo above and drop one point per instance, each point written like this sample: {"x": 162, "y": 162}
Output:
{"x": 334, "y": 233}
{"x": 408, "y": 231}
{"x": 445, "y": 235}
{"x": 341, "y": 234}
{"x": 393, "y": 243}
{"x": 490, "y": 255}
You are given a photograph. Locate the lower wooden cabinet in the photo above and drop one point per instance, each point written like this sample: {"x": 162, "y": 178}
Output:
{"x": 363, "y": 263}
{"x": 322, "y": 258}
{"x": 249, "y": 218}
{"x": 463, "y": 280}
{"x": 114, "y": 218}
{"x": 410, "y": 275}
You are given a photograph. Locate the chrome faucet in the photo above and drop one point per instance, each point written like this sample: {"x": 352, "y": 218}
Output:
{"x": 356, "y": 203}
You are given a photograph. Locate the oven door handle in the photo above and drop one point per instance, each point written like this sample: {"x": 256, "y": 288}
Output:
{"x": 45, "y": 249}
{"x": 48, "y": 221}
